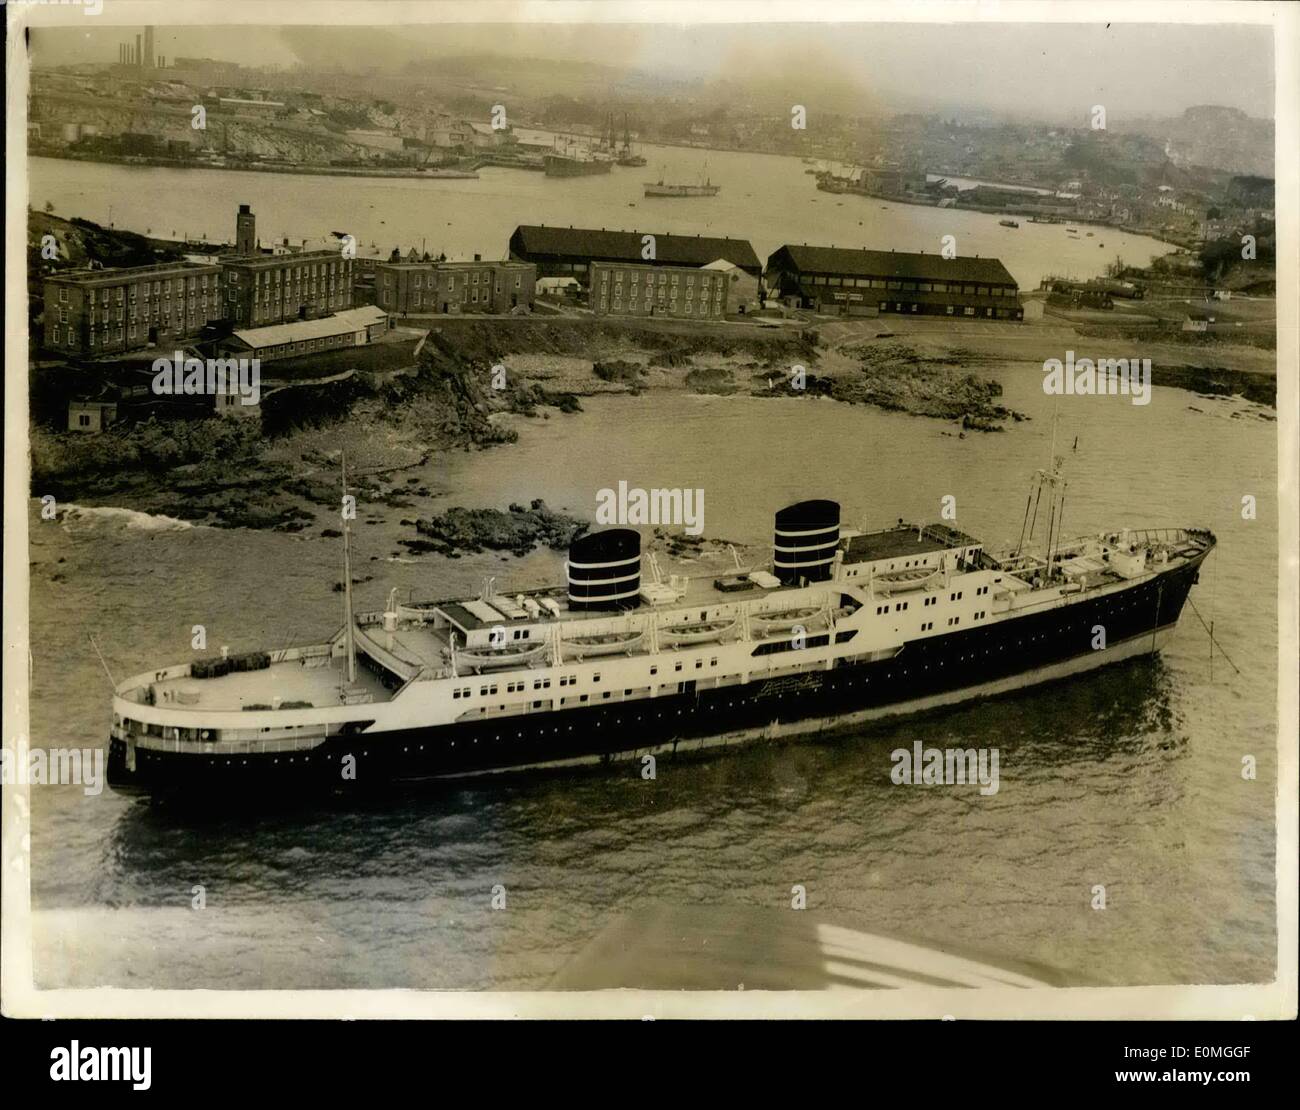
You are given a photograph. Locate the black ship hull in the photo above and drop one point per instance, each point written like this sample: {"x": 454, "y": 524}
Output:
{"x": 928, "y": 673}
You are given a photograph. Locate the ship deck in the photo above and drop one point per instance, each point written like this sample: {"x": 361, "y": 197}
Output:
{"x": 698, "y": 590}
{"x": 292, "y": 680}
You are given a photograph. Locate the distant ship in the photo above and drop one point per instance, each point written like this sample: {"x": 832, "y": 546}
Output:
{"x": 625, "y": 155}
{"x": 840, "y": 626}
{"x": 1008, "y": 223}
{"x": 661, "y": 188}
{"x": 575, "y": 161}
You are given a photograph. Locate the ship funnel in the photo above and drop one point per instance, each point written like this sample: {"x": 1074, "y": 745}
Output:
{"x": 807, "y": 535}
{"x": 604, "y": 570}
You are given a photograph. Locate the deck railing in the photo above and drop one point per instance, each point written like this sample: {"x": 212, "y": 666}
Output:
{"x": 230, "y": 747}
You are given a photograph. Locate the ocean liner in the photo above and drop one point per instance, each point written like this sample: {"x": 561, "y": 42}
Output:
{"x": 840, "y": 626}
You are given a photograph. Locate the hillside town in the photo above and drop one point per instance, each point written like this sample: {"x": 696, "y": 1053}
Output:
{"x": 1196, "y": 178}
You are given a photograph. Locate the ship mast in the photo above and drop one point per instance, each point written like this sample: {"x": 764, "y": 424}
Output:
{"x": 348, "y": 638}
{"x": 1056, "y": 477}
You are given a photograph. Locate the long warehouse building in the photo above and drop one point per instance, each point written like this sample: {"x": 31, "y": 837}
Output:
{"x": 569, "y": 251}
{"x": 866, "y": 282}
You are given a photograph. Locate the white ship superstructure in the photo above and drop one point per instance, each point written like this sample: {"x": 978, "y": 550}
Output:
{"x": 616, "y": 662}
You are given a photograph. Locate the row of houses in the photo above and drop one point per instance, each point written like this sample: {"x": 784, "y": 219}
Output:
{"x": 607, "y": 265}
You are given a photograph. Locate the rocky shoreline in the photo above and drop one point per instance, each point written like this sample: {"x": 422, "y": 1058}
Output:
{"x": 473, "y": 378}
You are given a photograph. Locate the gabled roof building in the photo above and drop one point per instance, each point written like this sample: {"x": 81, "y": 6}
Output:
{"x": 867, "y": 282}
{"x": 568, "y": 251}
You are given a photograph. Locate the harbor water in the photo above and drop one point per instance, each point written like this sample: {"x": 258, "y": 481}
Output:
{"x": 766, "y": 199}
{"x": 1129, "y": 778}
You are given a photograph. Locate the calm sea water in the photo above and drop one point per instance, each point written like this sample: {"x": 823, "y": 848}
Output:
{"x": 1128, "y": 778}
{"x": 767, "y": 199}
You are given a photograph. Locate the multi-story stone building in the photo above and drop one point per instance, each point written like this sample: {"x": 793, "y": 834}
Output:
{"x": 271, "y": 289}
{"x": 435, "y": 288}
{"x": 619, "y": 288}
{"x": 106, "y": 312}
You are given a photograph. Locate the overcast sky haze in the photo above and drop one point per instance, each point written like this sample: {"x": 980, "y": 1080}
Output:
{"x": 1046, "y": 71}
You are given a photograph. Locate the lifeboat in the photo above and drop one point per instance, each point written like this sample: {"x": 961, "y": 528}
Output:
{"x": 512, "y": 655}
{"x": 899, "y": 581}
{"x": 697, "y": 633}
{"x": 783, "y": 621}
{"x": 584, "y": 646}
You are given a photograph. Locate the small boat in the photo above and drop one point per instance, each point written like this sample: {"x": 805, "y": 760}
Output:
{"x": 512, "y": 655}
{"x": 697, "y": 633}
{"x": 611, "y": 644}
{"x": 1008, "y": 223}
{"x": 899, "y": 580}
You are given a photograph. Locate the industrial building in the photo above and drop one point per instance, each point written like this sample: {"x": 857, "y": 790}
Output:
{"x": 620, "y": 289}
{"x": 866, "y": 282}
{"x": 352, "y": 328}
{"x": 569, "y": 251}
{"x": 272, "y": 289}
{"x": 434, "y": 288}
{"x": 105, "y": 312}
